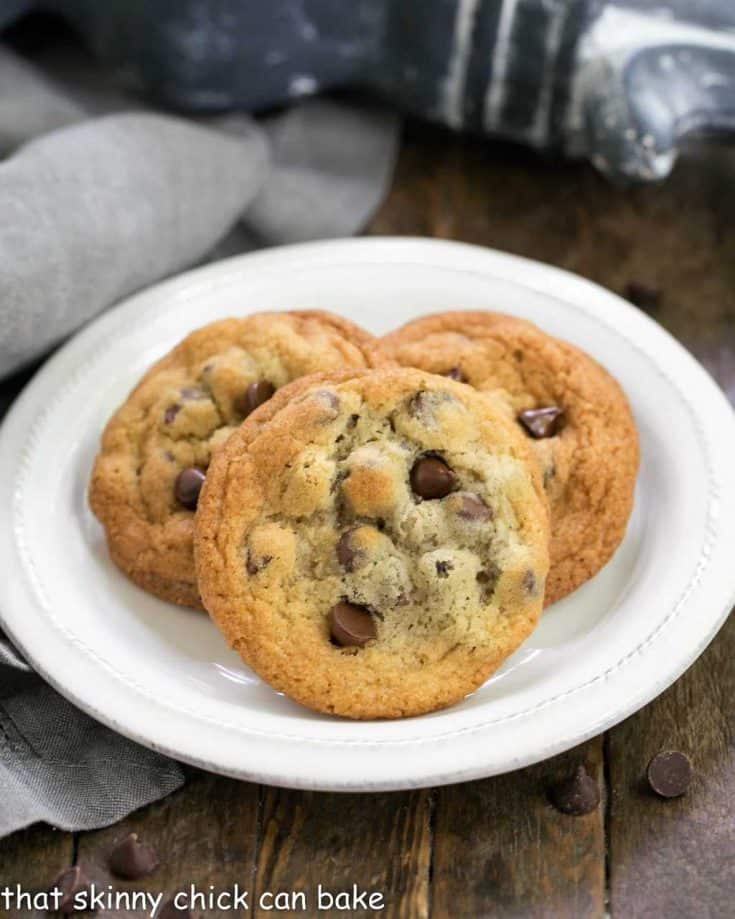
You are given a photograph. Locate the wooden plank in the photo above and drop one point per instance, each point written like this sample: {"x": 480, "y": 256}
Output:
{"x": 32, "y": 859}
{"x": 501, "y": 849}
{"x": 205, "y": 834}
{"x": 380, "y": 842}
{"x": 676, "y": 858}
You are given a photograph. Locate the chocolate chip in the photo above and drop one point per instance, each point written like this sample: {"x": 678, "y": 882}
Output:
{"x": 351, "y": 625}
{"x": 171, "y": 412}
{"x": 348, "y": 557}
{"x": 487, "y": 578}
{"x": 541, "y": 422}
{"x": 255, "y": 395}
{"x": 170, "y": 910}
{"x": 257, "y": 563}
{"x": 352, "y": 422}
{"x": 188, "y": 485}
{"x": 645, "y": 296}
{"x": 131, "y": 859}
{"x": 577, "y": 795}
{"x": 474, "y": 508}
{"x": 69, "y": 883}
{"x": 455, "y": 373}
{"x": 669, "y": 774}
{"x": 418, "y": 404}
{"x": 528, "y": 582}
{"x": 443, "y": 568}
{"x": 337, "y": 481}
{"x": 432, "y": 478}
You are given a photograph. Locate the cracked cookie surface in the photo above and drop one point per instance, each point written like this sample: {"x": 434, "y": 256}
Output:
{"x": 157, "y": 447}
{"x": 573, "y": 412}
{"x": 374, "y": 544}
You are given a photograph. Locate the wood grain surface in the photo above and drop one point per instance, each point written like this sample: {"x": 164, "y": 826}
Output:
{"x": 677, "y": 857}
{"x": 497, "y": 848}
{"x": 32, "y": 859}
{"x": 501, "y": 849}
{"x": 379, "y": 842}
{"x": 206, "y": 834}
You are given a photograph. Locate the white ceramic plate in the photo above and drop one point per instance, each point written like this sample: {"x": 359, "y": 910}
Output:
{"x": 164, "y": 676}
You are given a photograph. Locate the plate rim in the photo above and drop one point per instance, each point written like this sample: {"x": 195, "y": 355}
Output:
{"x": 399, "y": 246}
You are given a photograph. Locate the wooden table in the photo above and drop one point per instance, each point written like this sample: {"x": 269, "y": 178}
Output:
{"x": 496, "y": 847}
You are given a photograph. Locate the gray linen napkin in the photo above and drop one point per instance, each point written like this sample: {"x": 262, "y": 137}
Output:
{"x": 96, "y": 202}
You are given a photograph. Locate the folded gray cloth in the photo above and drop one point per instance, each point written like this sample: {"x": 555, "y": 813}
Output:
{"x": 100, "y": 207}
{"x": 62, "y": 767}
{"x": 96, "y": 202}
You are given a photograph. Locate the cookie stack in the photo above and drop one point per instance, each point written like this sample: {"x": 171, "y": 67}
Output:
{"x": 373, "y": 524}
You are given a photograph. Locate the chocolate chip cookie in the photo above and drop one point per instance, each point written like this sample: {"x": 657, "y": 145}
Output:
{"x": 374, "y": 543}
{"x": 574, "y": 414}
{"x": 156, "y": 448}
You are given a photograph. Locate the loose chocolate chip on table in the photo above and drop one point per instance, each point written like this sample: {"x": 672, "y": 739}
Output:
{"x": 669, "y": 774}
{"x": 474, "y": 508}
{"x": 455, "y": 373}
{"x": 541, "y": 422}
{"x": 351, "y": 625}
{"x": 256, "y": 394}
{"x": 69, "y": 883}
{"x": 432, "y": 478}
{"x": 171, "y": 412}
{"x": 132, "y": 859}
{"x": 577, "y": 795}
{"x": 188, "y": 485}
